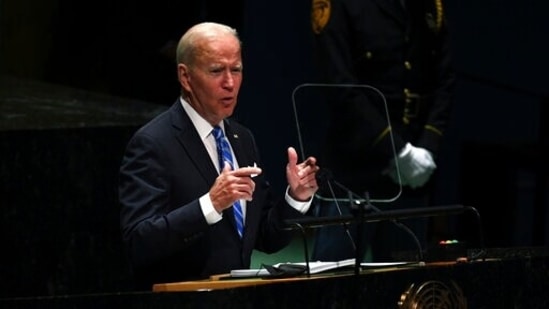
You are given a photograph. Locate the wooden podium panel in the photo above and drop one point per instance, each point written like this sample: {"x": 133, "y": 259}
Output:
{"x": 506, "y": 282}
{"x": 487, "y": 283}
{"x": 225, "y": 281}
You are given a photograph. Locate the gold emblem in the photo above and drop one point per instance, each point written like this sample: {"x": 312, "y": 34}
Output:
{"x": 433, "y": 294}
{"x": 320, "y": 14}
{"x": 434, "y": 20}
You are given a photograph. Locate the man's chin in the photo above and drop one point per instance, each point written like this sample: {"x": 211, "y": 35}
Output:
{"x": 229, "y": 109}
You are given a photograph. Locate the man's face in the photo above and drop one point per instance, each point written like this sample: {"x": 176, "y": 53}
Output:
{"x": 214, "y": 78}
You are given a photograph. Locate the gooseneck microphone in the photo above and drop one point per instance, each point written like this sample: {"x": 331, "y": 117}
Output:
{"x": 325, "y": 178}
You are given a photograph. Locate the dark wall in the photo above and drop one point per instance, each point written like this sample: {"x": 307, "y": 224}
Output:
{"x": 277, "y": 57}
{"x": 495, "y": 147}
{"x": 60, "y": 216}
{"x": 60, "y": 151}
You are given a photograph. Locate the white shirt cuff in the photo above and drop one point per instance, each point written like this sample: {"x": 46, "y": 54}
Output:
{"x": 211, "y": 215}
{"x": 302, "y": 207}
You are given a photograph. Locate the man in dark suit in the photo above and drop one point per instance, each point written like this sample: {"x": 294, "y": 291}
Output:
{"x": 177, "y": 199}
{"x": 402, "y": 49}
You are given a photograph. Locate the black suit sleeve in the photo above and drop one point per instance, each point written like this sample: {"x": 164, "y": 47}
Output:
{"x": 151, "y": 226}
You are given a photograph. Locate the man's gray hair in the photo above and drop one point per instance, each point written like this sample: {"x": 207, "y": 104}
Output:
{"x": 186, "y": 47}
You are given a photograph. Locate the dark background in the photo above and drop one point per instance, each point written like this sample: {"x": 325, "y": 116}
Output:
{"x": 58, "y": 187}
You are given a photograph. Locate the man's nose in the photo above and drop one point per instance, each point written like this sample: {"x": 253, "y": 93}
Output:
{"x": 228, "y": 80}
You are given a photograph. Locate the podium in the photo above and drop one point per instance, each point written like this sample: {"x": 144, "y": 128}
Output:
{"x": 222, "y": 282}
{"x": 507, "y": 278}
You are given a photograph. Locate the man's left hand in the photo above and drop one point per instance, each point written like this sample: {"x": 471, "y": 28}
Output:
{"x": 301, "y": 177}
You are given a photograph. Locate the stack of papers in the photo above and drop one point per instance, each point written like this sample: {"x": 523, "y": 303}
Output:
{"x": 314, "y": 267}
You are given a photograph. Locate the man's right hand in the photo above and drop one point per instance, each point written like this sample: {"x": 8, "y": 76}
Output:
{"x": 231, "y": 186}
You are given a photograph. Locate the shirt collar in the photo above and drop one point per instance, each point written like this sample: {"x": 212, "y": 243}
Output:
{"x": 203, "y": 127}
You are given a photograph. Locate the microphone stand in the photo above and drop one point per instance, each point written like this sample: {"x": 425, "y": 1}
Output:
{"x": 399, "y": 225}
{"x": 360, "y": 212}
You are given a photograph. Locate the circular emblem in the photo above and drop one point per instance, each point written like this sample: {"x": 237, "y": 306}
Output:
{"x": 320, "y": 14}
{"x": 433, "y": 294}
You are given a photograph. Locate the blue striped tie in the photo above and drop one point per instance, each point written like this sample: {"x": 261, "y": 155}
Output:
{"x": 224, "y": 155}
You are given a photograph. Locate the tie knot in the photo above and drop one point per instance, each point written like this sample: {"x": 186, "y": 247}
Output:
{"x": 218, "y": 133}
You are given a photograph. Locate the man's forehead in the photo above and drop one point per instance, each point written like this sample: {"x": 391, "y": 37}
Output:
{"x": 219, "y": 55}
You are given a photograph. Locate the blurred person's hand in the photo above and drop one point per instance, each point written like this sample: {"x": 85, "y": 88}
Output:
{"x": 415, "y": 164}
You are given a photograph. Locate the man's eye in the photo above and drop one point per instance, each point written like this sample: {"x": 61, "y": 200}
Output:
{"x": 236, "y": 70}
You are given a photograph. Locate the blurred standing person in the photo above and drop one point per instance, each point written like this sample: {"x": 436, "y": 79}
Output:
{"x": 402, "y": 49}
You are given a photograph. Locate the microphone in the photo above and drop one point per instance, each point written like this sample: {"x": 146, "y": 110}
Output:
{"x": 325, "y": 177}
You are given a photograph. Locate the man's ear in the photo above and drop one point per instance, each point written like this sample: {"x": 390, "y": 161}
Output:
{"x": 184, "y": 76}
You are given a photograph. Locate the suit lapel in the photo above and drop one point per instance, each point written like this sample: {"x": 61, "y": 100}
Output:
{"x": 190, "y": 141}
{"x": 243, "y": 155}
{"x": 192, "y": 145}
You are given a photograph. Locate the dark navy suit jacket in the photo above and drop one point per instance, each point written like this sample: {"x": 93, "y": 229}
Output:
{"x": 164, "y": 172}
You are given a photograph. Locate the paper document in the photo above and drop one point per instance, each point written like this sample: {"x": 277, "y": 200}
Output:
{"x": 314, "y": 267}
